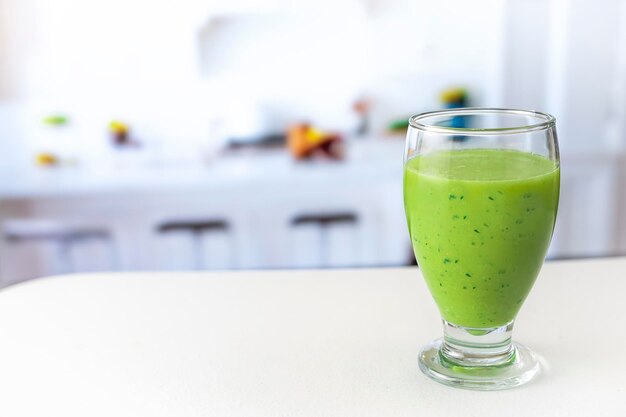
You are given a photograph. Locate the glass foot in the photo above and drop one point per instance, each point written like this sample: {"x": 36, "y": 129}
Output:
{"x": 520, "y": 368}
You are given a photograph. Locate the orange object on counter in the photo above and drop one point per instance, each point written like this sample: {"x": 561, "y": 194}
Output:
{"x": 306, "y": 142}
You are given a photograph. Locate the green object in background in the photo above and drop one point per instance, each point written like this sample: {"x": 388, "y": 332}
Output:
{"x": 481, "y": 222}
{"x": 399, "y": 125}
{"x": 56, "y": 120}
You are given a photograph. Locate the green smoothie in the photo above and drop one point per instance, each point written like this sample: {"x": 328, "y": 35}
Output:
{"x": 481, "y": 221}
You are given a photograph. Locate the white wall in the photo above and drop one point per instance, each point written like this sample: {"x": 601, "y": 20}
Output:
{"x": 568, "y": 57}
{"x": 142, "y": 61}
{"x": 315, "y": 63}
{"x": 176, "y": 76}
{"x": 174, "y": 72}
{"x": 13, "y": 32}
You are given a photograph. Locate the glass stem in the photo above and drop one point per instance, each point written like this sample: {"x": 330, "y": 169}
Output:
{"x": 466, "y": 346}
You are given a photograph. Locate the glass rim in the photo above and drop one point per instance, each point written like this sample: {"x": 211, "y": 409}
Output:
{"x": 544, "y": 121}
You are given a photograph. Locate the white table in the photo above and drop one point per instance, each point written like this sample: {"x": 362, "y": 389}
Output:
{"x": 309, "y": 343}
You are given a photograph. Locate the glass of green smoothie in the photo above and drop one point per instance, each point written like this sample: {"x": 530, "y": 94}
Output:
{"x": 481, "y": 202}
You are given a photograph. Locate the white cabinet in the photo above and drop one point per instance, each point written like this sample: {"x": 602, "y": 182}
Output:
{"x": 272, "y": 214}
{"x": 590, "y": 209}
{"x": 228, "y": 224}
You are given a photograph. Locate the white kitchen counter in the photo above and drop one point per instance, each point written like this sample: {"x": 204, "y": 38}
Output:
{"x": 132, "y": 171}
{"x": 132, "y": 189}
{"x": 292, "y": 343}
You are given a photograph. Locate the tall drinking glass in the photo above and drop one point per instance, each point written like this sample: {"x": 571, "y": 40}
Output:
{"x": 481, "y": 202}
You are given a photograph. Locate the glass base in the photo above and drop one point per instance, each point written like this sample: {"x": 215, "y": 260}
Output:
{"x": 519, "y": 367}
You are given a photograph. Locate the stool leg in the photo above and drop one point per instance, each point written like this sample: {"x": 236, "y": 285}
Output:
{"x": 233, "y": 252}
{"x": 64, "y": 255}
{"x": 114, "y": 262}
{"x": 323, "y": 246}
{"x": 198, "y": 252}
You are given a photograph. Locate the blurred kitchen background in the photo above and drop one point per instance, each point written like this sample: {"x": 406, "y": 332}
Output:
{"x": 229, "y": 134}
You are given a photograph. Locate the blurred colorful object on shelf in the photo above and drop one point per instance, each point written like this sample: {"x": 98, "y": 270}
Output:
{"x": 56, "y": 120}
{"x": 399, "y": 125}
{"x": 46, "y": 159}
{"x": 305, "y": 141}
{"x": 120, "y": 133}
{"x": 116, "y": 126}
{"x": 363, "y": 107}
{"x": 455, "y": 97}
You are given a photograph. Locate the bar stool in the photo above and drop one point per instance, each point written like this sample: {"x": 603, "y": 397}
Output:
{"x": 325, "y": 222}
{"x": 66, "y": 237}
{"x": 198, "y": 231}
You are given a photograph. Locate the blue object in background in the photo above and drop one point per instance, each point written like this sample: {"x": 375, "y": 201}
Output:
{"x": 454, "y": 98}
